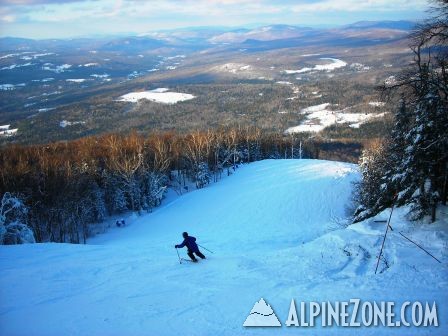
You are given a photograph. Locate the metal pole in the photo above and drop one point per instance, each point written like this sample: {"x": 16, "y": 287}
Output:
{"x": 413, "y": 242}
{"x": 180, "y": 260}
{"x": 205, "y": 248}
{"x": 384, "y": 239}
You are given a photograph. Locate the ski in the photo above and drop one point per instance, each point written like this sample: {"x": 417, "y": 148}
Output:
{"x": 183, "y": 259}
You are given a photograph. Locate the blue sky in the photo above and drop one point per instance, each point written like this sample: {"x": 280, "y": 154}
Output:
{"x": 71, "y": 18}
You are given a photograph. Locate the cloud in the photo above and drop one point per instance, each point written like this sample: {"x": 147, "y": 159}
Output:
{"x": 357, "y": 5}
{"x": 58, "y": 10}
{"x": 37, "y": 2}
{"x": 7, "y": 18}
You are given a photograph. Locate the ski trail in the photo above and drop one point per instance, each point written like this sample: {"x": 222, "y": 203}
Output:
{"x": 271, "y": 228}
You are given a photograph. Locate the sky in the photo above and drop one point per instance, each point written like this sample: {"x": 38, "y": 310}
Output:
{"x": 73, "y": 18}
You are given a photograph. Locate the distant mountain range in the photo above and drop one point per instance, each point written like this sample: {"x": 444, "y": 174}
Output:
{"x": 202, "y": 36}
{"x": 397, "y": 25}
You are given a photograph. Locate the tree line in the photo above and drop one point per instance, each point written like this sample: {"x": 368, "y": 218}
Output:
{"x": 69, "y": 186}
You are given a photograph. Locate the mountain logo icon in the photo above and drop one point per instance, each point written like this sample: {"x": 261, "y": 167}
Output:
{"x": 262, "y": 315}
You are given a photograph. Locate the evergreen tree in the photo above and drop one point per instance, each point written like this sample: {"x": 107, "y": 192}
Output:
{"x": 372, "y": 165}
{"x": 425, "y": 156}
{"x": 416, "y": 160}
{"x": 392, "y": 181}
{"x": 13, "y": 215}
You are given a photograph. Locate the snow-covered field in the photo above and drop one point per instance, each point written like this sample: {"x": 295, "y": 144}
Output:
{"x": 6, "y": 131}
{"x": 10, "y": 87}
{"x": 56, "y": 68}
{"x": 333, "y": 65}
{"x": 377, "y": 104}
{"x": 233, "y": 67}
{"x": 14, "y": 66}
{"x": 276, "y": 228}
{"x": 65, "y": 123}
{"x": 160, "y": 95}
{"x": 102, "y": 76}
{"x": 318, "y": 117}
{"x": 76, "y": 80}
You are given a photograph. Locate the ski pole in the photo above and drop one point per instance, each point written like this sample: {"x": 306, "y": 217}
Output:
{"x": 180, "y": 260}
{"x": 205, "y": 248}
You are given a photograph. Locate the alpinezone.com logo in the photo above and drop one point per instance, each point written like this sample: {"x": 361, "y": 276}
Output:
{"x": 352, "y": 313}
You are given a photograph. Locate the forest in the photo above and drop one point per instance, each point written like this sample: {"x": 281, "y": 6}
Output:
{"x": 66, "y": 187}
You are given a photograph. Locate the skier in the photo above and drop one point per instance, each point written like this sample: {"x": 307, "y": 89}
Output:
{"x": 190, "y": 243}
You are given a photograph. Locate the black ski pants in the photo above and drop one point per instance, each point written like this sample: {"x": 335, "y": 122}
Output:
{"x": 198, "y": 253}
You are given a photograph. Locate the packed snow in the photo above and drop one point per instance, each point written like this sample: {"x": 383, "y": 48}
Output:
{"x": 319, "y": 116}
{"x": 159, "y": 95}
{"x": 278, "y": 231}
{"x": 335, "y": 64}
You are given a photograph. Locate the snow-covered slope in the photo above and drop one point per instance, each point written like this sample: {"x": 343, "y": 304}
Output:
{"x": 276, "y": 231}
